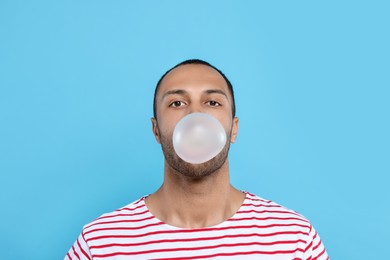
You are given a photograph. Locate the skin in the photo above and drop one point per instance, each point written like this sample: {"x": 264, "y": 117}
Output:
{"x": 194, "y": 195}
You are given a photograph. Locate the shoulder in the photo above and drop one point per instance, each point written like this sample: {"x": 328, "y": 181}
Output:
{"x": 275, "y": 219}
{"x": 263, "y": 209}
{"x": 133, "y": 212}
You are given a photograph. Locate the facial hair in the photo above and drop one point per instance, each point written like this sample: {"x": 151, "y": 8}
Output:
{"x": 195, "y": 171}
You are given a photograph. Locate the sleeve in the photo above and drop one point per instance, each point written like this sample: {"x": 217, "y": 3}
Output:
{"x": 315, "y": 249}
{"x": 79, "y": 250}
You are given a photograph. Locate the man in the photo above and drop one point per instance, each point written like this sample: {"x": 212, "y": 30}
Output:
{"x": 197, "y": 213}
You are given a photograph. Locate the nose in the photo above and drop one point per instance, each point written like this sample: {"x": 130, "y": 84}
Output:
{"x": 195, "y": 107}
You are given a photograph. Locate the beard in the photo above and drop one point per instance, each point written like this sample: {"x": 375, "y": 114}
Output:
{"x": 195, "y": 171}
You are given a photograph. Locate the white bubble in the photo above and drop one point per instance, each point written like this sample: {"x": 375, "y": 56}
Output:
{"x": 198, "y": 137}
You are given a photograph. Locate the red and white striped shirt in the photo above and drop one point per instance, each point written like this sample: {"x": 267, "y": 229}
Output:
{"x": 260, "y": 229}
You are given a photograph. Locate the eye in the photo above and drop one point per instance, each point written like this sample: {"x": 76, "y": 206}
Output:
{"x": 214, "y": 103}
{"x": 177, "y": 104}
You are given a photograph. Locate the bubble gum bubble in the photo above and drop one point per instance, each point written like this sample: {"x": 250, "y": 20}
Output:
{"x": 198, "y": 137}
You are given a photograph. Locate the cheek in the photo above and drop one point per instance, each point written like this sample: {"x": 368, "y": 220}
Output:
{"x": 166, "y": 128}
{"x": 170, "y": 121}
{"x": 226, "y": 123}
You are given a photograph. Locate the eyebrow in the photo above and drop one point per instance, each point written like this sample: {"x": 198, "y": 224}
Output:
{"x": 216, "y": 91}
{"x": 174, "y": 92}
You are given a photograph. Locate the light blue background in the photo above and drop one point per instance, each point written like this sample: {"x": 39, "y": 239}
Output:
{"x": 76, "y": 89}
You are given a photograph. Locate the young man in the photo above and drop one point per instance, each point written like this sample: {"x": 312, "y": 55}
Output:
{"x": 197, "y": 213}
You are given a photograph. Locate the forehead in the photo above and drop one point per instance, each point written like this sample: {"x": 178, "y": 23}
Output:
{"x": 193, "y": 77}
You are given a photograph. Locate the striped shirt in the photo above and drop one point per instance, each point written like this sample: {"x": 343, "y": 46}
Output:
{"x": 260, "y": 229}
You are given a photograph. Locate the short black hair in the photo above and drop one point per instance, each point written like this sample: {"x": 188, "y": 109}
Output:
{"x": 199, "y": 62}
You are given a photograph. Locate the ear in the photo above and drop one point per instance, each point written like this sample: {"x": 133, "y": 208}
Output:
{"x": 234, "y": 132}
{"x": 155, "y": 130}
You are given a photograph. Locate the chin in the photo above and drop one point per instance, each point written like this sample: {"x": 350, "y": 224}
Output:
{"x": 197, "y": 171}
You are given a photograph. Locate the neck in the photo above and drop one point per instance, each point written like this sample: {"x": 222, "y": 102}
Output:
{"x": 195, "y": 202}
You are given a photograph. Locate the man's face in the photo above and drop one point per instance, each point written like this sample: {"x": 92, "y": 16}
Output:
{"x": 188, "y": 89}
